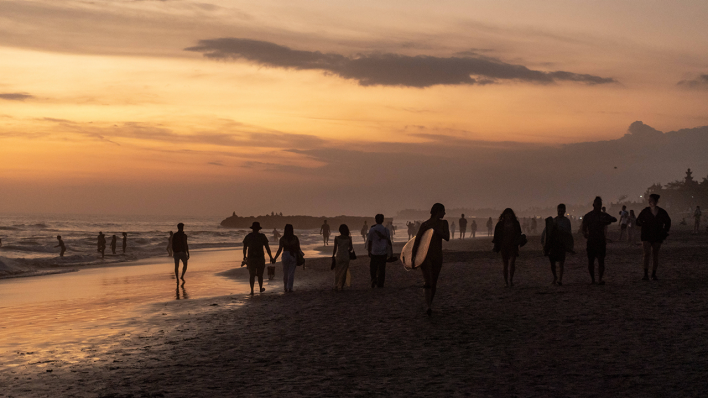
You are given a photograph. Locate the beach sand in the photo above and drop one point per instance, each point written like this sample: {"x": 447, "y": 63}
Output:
{"x": 626, "y": 338}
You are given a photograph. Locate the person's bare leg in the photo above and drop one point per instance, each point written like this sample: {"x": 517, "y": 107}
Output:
{"x": 184, "y": 269}
{"x": 561, "y": 265}
{"x": 647, "y": 253}
{"x": 655, "y": 257}
{"x": 591, "y": 269}
{"x": 553, "y": 270}
{"x": 177, "y": 269}
{"x": 252, "y": 280}
{"x": 506, "y": 270}
{"x": 600, "y": 270}
{"x": 512, "y": 268}
{"x": 260, "y": 282}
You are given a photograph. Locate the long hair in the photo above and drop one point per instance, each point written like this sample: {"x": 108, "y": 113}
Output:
{"x": 508, "y": 213}
{"x": 289, "y": 232}
{"x": 344, "y": 230}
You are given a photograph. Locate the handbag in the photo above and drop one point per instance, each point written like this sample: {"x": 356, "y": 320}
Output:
{"x": 300, "y": 258}
{"x": 352, "y": 255}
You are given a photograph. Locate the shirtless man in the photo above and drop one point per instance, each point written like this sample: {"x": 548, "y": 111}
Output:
{"x": 102, "y": 244}
{"x": 61, "y": 244}
{"x": 463, "y": 227}
{"x": 324, "y": 231}
{"x": 594, "y": 229}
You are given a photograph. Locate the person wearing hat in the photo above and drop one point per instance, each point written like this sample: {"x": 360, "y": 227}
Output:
{"x": 253, "y": 254}
{"x": 180, "y": 251}
{"x": 655, "y": 223}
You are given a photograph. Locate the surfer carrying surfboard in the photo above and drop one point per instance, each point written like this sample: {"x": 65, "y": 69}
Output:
{"x": 432, "y": 264}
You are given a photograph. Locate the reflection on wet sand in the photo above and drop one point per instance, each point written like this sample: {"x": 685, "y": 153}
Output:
{"x": 184, "y": 296}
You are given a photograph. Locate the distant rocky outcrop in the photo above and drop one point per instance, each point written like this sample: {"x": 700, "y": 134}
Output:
{"x": 300, "y": 222}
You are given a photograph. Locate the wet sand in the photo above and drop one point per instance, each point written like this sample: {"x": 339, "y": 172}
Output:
{"x": 627, "y": 338}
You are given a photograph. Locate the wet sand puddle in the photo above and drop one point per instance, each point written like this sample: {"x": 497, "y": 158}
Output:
{"x": 74, "y": 316}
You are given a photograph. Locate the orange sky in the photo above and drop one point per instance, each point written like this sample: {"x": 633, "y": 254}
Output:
{"x": 101, "y": 93}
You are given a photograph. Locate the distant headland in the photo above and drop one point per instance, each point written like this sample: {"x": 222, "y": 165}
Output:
{"x": 278, "y": 221}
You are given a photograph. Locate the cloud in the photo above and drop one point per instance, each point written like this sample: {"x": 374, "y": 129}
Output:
{"x": 15, "y": 96}
{"x": 699, "y": 82}
{"x": 387, "y": 69}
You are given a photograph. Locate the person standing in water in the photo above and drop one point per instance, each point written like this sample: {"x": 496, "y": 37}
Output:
{"x": 364, "y": 232}
{"x": 125, "y": 241}
{"x": 452, "y": 231}
{"x": 377, "y": 244}
{"x": 289, "y": 245}
{"x": 180, "y": 250}
{"x": 655, "y": 223}
{"x": 561, "y": 237}
{"x": 473, "y": 228}
{"x": 169, "y": 244}
{"x": 463, "y": 227}
{"x": 507, "y": 235}
{"x": 411, "y": 229}
{"x": 594, "y": 228}
{"x": 276, "y": 235}
{"x": 343, "y": 247}
{"x": 490, "y": 224}
{"x": 61, "y": 244}
{"x": 114, "y": 243}
{"x": 432, "y": 265}
{"x": 324, "y": 231}
{"x": 102, "y": 244}
{"x": 697, "y": 220}
{"x": 254, "y": 256}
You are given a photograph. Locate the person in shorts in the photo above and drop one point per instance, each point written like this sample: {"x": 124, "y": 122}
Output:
{"x": 558, "y": 241}
{"x": 594, "y": 228}
{"x": 254, "y": 256}
{"x": 180, "y": 251}
{"x": 624, "y": 221}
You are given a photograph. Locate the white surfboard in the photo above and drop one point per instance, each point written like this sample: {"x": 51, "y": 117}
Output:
{"x": 407, "y": 252}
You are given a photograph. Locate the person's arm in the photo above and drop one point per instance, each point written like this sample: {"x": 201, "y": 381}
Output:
{"x": 245, "y": 248}
{"x": 336, "y": 239}
{"x": 640, "y": 217}
{"x": 186, "y": 246}
{"x": 368, "y": 245}
{"x": 667, "y": 222}
{"x": 585, "y": 228}
{"x": 280, "y": 249}
{"x": 267, "y": 247}
{"x": 321, "y": 229}
{"x": 351, "y": 244}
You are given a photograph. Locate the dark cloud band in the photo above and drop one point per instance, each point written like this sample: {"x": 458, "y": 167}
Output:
{"x": 699, "y": 82}
{"x": 15, "y": 96}
{"x": 387, "y": 69}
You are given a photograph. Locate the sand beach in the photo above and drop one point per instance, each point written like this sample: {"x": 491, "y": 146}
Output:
{"x": 626, "y": 338}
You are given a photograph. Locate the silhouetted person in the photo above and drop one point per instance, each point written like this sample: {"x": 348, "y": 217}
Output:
{"x": 364, "y": 232}
{"x": 411, "y": 229}
{"x": 343, "y": 246}
{"x": 655, "y": 223}
{"x": 254, "y": 256}
{"x": 125, "y": 241}
{"x": 624, "y": 221}
{"x": 169, "y": 245}
{"x": 0, "y": 242}
{"x": 324, "y": 231}
{"x": 534, "y": 225}
{"x": 180, "y": 250}
{"x": 102, "y": 244}
{"x": 452, "y": 230}
{"x": 289, "y": 245}
{"x": 631, "y": 227}
{"x": 432, "y": 265}
{"x": 377, "y": 242}
{"x": 61, "y": 244}
{"x": 391, "y": 229}
{"x": 607, "y": 227}
{"x": 114, "y": 243}
{"x": 507, "y": 237}
{"x": 490, "y": 224}
{"x": 463, "y": 226}
{"x": 557, "y": 242}
{"x": 276, "y": 235}
{"x": 594, "y": 228}
{"x": 473, "y": 228}
{"x": 697, "y": 220}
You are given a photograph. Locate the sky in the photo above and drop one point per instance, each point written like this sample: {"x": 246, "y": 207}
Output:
{"x": 336, "y": 107}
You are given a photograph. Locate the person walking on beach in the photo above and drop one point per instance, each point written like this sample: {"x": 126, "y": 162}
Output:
{"x": 102, "y": 244}
{"x": 655, "y": 223}
{"x": 507, "y": 237}
{"x": 463, "y": 226}
{"x": 624, "y": 221}
{"x": 343, "y": 247}
{"x": 594, "y": 227}
{"x": 61, "y": 245}
{"x": 534, "y": 225}
{"x": 432, "y": 265}
{"x": 114, "y": 243}
{"x": 473, "y": 228}
{"x": 490, "y": 223}
{"x": 254, "y": 256}
{"x": 364, "y": 232}
{"x": 391, "y": 229}
{"x": 607, "y": 227}
{"x": 452, "y": 231}
{"x": 125, "y": 241}
{"x": 180, "y": 250}
{"x": 697, "y": 220}
{"x": 289, "y": 245}
{"x": 169, "y": 244}
{"x": 411, "y": 229}
{"x": 557, "y": 242}
{"x": 631, "y": 227}
{"x": 377, "y": 243}
{"x": 276, "y": 235}
{"x": 324, "y": 231}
